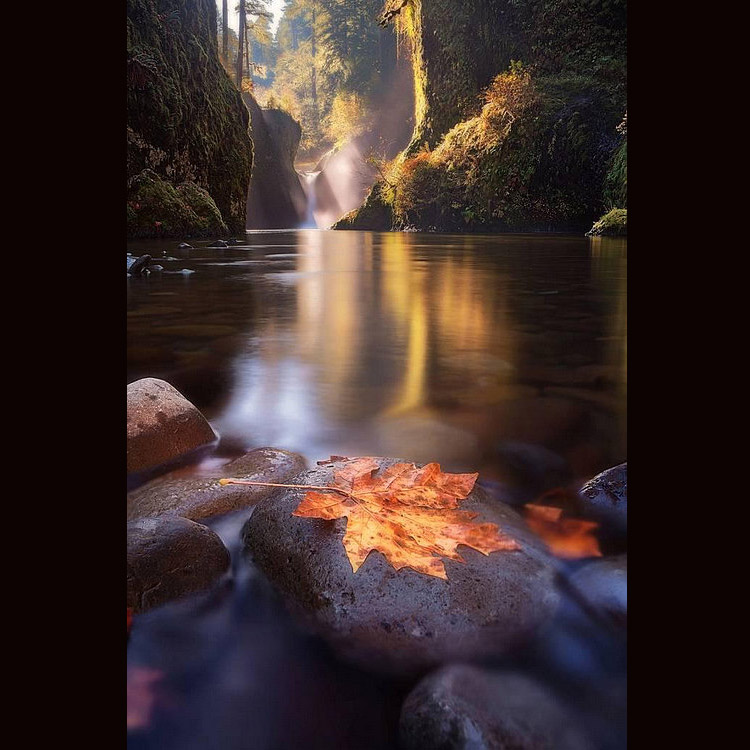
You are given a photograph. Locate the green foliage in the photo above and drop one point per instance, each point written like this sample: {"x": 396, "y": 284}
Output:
{"x": 534, "y": 150}
{"x": 612, "y": 224}
{"x": 616, "y": 181}
{"x": 350, "y": 56}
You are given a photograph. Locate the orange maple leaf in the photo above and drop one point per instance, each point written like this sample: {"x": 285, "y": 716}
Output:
{"x": 406, "y": 513}
{"x": 566, "y": 537}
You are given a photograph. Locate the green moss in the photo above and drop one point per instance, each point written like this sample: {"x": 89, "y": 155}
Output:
{"x": 203, "y": 206}
{"x": 531, "y": 159}
{"x": 157, "y": 208}
{"x": 375, "y": 214}
{"x": 612, "y": 224}
{"x": 186, "y": 120}
{"x": 536, "y": 153}
{"x": 616, "y": 181}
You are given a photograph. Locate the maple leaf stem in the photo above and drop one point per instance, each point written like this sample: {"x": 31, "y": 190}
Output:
{"x": 291, "y": 486}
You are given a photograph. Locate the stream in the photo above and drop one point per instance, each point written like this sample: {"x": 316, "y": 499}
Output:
{"x": 502, "y": 354}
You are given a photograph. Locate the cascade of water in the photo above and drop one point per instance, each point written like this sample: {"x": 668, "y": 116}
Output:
{"x": 307, "y": 179}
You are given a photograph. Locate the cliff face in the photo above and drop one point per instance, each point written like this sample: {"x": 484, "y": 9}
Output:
{"x": 276, "y": 199}
{"x": 517, "y": 105}
{"x": 189, "y": 151}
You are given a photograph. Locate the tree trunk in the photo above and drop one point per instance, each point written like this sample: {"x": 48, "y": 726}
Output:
{"x": 314, "y": 74}
{"x": 241, "y": 44}
{"x": 224, "y": 32}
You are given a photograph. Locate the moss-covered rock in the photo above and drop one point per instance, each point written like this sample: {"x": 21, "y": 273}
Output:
{"x": 612, "y": 224}
{"x": 158, "y": 208}
{"x": 375, "y": 214}
{"x": 186, "y": 120}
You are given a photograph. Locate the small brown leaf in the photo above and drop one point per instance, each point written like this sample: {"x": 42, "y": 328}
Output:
{"x": 566, "y": 537}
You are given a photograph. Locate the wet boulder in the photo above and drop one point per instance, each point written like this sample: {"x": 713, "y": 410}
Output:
{"x": 604, "y": 583}
{"x": 137, "y": 266}
{"x": 170, "y": 557}
{"x": 403, "y": 622}
{"x": 605, "y": 498}
{"x": 461, "y": 707}
{"x": 162, "y": 425}
{"x": 199, "y": 497}
{"x": 184, "y": 246}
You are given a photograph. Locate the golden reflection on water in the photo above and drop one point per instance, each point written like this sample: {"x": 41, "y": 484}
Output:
{"x": 424, "y": 347}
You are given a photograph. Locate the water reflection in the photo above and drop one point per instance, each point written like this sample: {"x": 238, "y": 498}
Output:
{"x": 428, "y": 347}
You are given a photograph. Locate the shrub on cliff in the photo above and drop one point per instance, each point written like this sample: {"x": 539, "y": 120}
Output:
{"x": 613, "y": 224}
{"x": 534, "y": 157}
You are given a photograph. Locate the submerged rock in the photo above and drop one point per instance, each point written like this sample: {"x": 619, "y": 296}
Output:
{"x": 461, "y": 707}
{"x": 218, "y": 243}
{"x": 202, "y": 496}
{"x": 403, "y": 622}
{"x": 169, "y": 557}
{"x": 162, "y": 425}
{"x": 605, "y": 498}
{"x": 138, "y": 265}
{"x": 604, "y": 583}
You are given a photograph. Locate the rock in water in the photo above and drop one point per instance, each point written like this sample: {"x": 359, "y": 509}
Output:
{"x": 403, "y": 622}
{"x": 461, "y": 707}
{"x": 162, "y": 425}
{"x": 170, "y": 557}
{"x": 138, "y": 265}
{"x": 604, "y": 583}
{"x": 202, "y": 496}
{"x": 184, "y": 246}
{"x": 605, "y": 498}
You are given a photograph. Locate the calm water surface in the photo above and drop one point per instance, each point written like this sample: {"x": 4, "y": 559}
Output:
{"x": 489, "y": 352}
{"x": 502, "y": 354}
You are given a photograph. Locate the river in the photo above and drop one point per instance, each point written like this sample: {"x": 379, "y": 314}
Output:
{"x": 503, "y": 354}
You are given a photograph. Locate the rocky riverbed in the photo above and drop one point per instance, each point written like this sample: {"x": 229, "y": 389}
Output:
{"x": 516, "y": 615}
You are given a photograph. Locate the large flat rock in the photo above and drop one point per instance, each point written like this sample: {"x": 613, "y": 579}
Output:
{"x": 403, "y": 622}
{"x": 202, "y": 496}
{"x": 162, "y": 425}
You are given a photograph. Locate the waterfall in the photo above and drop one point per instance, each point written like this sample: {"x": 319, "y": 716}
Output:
{"x": 307, "y": 179}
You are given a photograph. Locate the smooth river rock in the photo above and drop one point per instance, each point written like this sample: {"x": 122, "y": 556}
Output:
{"x": 402, "y": 622}
{"x": 605, "y": 498}
{"x": 169, "y": 557}
{"x": 162, "y": 425}
{"x": 202, "y": 496}
{"x": 461, "y": 707}
{"x": 136, "y": 266}
{"x": 604, "y": 583}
